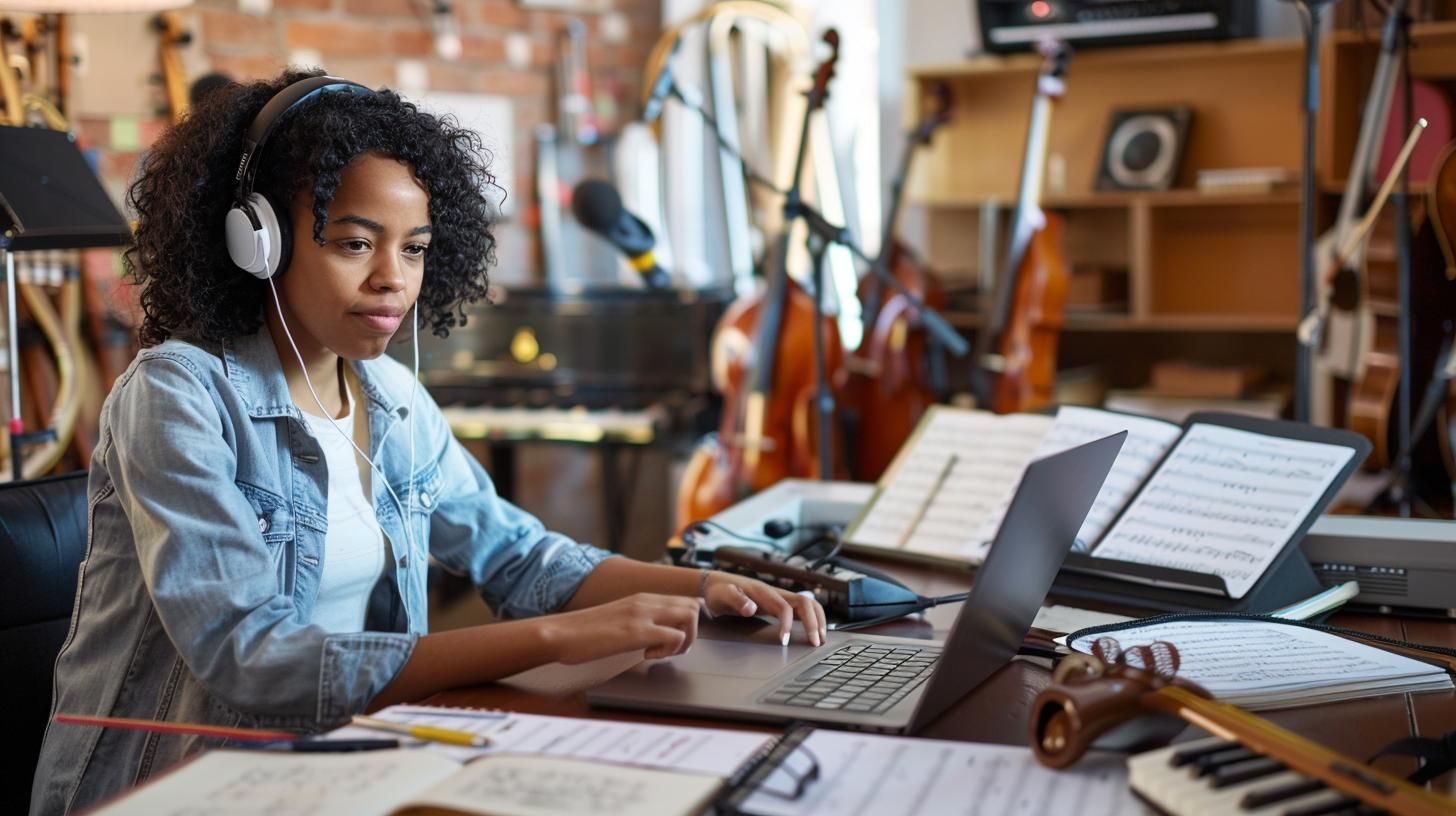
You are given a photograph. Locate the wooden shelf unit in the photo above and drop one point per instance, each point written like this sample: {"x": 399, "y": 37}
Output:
{"x": 1200, "y": 264}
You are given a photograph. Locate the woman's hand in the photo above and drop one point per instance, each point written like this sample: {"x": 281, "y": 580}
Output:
{"x": 727, "y": 594}
{"x": 658, "y": 625}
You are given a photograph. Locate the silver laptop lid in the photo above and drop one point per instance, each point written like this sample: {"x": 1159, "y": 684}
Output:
{"x": 1036, "y": 533}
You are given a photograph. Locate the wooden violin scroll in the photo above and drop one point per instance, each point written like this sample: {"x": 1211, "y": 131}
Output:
{"x": 825, "y": 72}
{"x": 1105, "y": 699}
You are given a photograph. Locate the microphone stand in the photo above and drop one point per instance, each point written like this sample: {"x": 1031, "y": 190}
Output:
{"x": 1399, "y": 490}
{"x": 822, "y": 234}
{"x": 1310, "y": 12}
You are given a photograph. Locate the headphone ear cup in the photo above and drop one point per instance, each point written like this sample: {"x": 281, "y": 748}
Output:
{"x": 254, "y": 241}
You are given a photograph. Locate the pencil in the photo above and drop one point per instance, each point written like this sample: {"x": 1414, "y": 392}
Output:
{"x": 424, "y": 732}
{"x": 222, "y": 732}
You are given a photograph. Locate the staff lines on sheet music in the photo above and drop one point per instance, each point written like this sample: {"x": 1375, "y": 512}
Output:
{"x": 927, "y": 501}
{"x": 1213, "y": 499}
{"x": 1240, "y": 487}
{"x": 1283, "y": 455}
{"x": 1246, "y": 519}
{"x": 1230, "y": 463}
{"x": 1198, "y": 533}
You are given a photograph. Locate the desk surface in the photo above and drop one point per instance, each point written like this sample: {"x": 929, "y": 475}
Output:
{"x": 997, "y": 710}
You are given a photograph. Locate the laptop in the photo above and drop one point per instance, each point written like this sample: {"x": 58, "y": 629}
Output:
{"x": 890, "y": 684}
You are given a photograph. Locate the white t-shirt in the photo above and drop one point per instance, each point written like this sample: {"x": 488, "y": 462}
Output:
{"x": 354, "y": 547}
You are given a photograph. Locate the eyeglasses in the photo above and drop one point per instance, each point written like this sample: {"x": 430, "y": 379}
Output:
{"x": 787, "y": 782}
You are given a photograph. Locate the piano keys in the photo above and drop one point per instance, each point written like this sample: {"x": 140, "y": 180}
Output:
{"x": 1215, "y": 777}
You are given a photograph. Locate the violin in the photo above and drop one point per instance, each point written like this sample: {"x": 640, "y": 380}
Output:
{"x": 1441, "y": 209}
{"x": 1017, "y": 358}
{"x": 763, "y": 366}
{"x": 1125, "y": 699}
{"x": 899, "y": 370}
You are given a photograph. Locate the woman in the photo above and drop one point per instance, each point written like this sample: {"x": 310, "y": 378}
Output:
{"x": 268, "y": 488}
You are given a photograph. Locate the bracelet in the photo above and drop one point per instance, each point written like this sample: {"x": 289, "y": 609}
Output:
{"x": 703, "y": 584}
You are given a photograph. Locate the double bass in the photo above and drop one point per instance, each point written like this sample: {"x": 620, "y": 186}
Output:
{"x": 899, "y": 370}
{"x": 1017, "y": 353}
{"x": 763, "y": 366}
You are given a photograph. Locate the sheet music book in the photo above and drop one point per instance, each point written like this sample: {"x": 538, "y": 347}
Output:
{"x": 858, "y": 773}
{"x": 1218, "y": 495}
{"x": 1261, "y": 663}
{"x": 408, "y": 782}
{"x": 535, "y": 766}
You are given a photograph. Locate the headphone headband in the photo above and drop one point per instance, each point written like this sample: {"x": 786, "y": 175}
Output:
{"x": 268, "y": 118}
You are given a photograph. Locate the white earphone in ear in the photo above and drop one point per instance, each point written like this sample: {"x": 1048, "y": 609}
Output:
{"x": 254, "y": 238}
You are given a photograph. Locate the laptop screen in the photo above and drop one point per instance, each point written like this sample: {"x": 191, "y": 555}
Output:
{"x": 1035, "y": 535}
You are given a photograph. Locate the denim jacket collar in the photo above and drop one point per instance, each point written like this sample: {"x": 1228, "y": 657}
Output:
{"x": 256, "y": 371}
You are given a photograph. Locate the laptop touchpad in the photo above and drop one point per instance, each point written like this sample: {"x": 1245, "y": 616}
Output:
{"x": 737, "y": 659}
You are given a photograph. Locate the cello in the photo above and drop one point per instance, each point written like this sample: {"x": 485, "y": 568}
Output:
{"x": 899, "y": 370}
{"x": 1017, "y": 356}
{"x": 768, "y": 383}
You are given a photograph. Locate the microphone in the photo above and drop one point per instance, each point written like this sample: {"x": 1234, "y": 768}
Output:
{"x": 598, "y": 207}
{"x": 661, "y": 86}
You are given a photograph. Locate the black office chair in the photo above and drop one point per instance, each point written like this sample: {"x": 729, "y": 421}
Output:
{"x": 42, "y": 542}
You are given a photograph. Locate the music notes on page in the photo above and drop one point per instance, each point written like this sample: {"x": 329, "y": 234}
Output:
{"x": 1225, "y": 502}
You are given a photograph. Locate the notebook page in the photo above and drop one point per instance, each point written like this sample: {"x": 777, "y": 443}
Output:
{"x": 953, "y": 483}
{"x": 713, "y": 751}
{"x": 890, "y": 776}
{"x": 1147, "y": 441}
{"x": 1225, "y": 502}
{"x": 533, "y": 786}
{"x": 1261, "y": 664}
{"x": 246, "y": 783}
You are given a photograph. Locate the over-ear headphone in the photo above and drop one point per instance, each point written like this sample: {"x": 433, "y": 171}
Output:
{"x": 258, "y": 241}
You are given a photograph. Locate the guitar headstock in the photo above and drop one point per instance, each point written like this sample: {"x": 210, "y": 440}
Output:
{"x": 937, "y": 115}
{"x": 825, "y": 71}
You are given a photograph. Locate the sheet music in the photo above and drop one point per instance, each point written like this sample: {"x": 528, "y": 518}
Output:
{"x": 1147, "y": 441}
{"x": 528, "y": 786}
{"x": 1259, "y": 664}
{"x": 246, "y": 783}
{"x": 718, "y": 752}
{"x": 953, "y": 484}
{"x": 1225, "y": 502}
{"x": 870, "y": 775}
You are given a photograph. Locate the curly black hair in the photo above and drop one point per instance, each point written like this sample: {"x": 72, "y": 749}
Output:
{"x": 191, "y": 288}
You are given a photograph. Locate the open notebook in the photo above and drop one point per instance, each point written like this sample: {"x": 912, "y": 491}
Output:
{"x": 410, "y": 781}
{"x": 1220, "y": 494}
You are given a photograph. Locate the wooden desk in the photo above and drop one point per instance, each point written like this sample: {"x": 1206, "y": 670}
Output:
{"x": 997, "y": 711}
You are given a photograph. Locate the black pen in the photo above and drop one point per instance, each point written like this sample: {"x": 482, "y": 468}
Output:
{"x": 323, "y": 745}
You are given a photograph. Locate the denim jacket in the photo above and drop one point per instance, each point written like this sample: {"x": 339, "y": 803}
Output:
{"x": 207, "y": 515}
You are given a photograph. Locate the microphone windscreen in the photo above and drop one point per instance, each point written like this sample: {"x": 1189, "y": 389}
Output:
{"x": 596, "y": 204}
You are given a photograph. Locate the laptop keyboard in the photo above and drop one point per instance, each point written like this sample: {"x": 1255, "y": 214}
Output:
{"x": 861, "y": 677}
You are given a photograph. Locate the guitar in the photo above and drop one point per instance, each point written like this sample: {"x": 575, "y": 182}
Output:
{"x": 1017, "y": 356}
{"x": 1342, "y": 326}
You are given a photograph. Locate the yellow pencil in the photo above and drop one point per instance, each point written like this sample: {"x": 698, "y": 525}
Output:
{"x": 424, "y": 732}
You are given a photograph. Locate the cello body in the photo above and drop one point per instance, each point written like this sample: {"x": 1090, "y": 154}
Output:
{"x": 1029, "y": 343}
{"x": 742, "y": 459}
{"x": 894, "y": 375}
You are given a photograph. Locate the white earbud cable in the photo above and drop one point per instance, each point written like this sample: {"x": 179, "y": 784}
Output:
{"x": 414, "y": 389}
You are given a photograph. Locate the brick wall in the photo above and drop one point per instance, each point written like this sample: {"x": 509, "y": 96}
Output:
{"x": 507, "y": 51}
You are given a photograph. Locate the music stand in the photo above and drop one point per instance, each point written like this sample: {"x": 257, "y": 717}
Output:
{"x": 49, "y": 199}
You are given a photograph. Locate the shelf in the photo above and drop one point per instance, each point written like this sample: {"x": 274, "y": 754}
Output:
{"x": 1155, "y": 323}
{"x": 1098, "y": 200}
{"x": 1223, "y": 50}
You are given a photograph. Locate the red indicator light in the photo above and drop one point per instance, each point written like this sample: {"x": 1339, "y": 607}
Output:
{"x": 1041, "y": 9}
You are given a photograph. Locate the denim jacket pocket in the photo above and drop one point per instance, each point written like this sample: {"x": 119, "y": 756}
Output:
{"x": 275, "y": 523}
